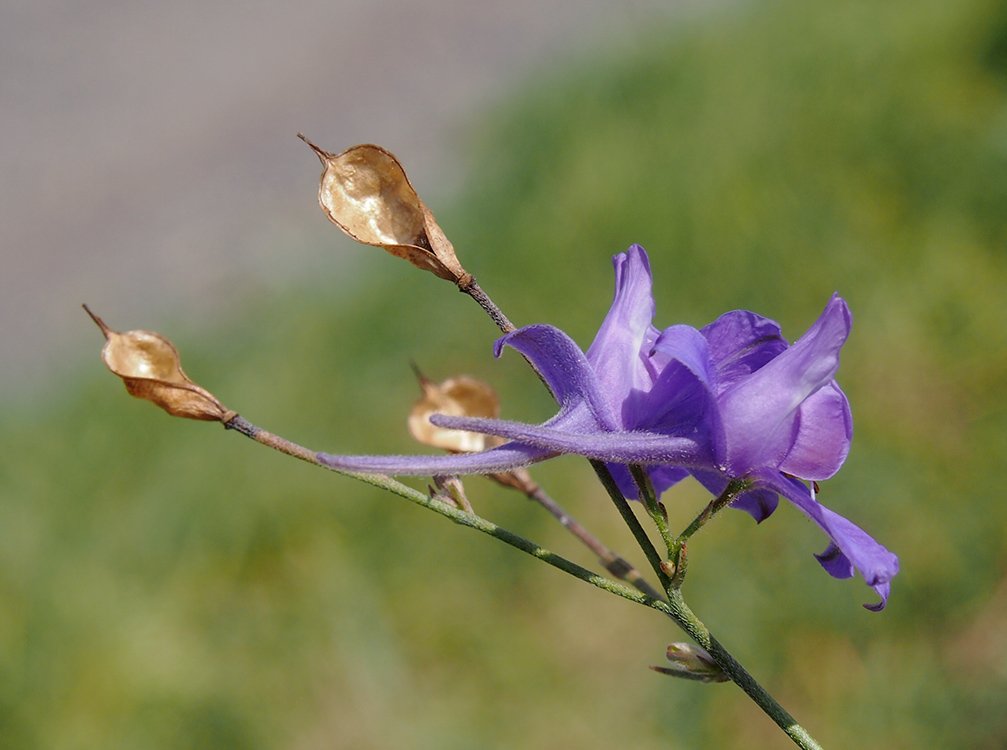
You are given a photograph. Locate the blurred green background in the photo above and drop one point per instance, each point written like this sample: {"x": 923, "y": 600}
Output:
{"x": 169, "y": 585}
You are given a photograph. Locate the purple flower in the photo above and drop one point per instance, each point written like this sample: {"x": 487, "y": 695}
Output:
{"x": 732, "y": 400}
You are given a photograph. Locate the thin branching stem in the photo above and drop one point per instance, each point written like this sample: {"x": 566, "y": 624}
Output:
{"x": 629, "y": 517}
{"x": 464, "y": 518}
{"x": 675, "y": 607}
{"x": 614, "y": 563}
{"x": 728, "y": 496}
{"x": 469, "y": 286}
{"x": 645, "y": 489}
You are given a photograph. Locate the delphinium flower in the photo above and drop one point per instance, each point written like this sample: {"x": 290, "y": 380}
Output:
{"x": 730, "y": 401}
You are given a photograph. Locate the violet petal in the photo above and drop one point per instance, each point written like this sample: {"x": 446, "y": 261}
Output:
{"x": 824, "y": 431}
{"x": 874, "y": 562}
{"x": 740, "y": 343}
{"x": 760, "y": 412}
{"x": 564, "y": 367}
{"x": 682, "y": 400}
{"x": 615, "y": 352}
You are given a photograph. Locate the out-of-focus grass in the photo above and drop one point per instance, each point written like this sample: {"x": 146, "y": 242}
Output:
{"x": 167, "y": 585}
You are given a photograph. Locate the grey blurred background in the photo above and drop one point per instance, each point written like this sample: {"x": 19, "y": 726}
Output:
{"x": 148, "y": 152}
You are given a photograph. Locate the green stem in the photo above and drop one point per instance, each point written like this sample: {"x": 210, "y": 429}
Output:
{"x": 728, "y": 496}
{"x": 614, "y": 563}
{"x": 657, "y": 513}
{"x": 621, "y": 504}
{"x": 692, "y": 625}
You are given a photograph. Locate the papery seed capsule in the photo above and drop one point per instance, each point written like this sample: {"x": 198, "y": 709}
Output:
{"x": 151, "y": 369}
{"x": 460, "y": 396}
{"x": 365, "y": 192}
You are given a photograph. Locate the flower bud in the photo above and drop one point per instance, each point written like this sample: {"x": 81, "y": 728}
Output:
{"x": 151, "y": 369}
{"x": 692, "y": 662}
{"x": 451, "y": 491}
{"x": 365, "y": 192}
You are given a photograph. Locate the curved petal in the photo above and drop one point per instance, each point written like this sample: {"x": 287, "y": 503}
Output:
{"x": 824, "y": 431}
{"x": 564, "y": 367}
{"x": 682, "y": 343}
{"x": 836, "y": 564}
{"x": 682, "y": 400}
{"x": 740, "y": 343}
{"x": 759, "y": 412}
{"x": 615, "y": 353}
{"x": 758, "y": 503}
{"x": 500, "y": 459}
{"x": 850, "y": 546}
{"x": 614, "y": 447}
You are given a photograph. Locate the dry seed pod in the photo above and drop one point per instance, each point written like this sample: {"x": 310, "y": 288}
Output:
{"x": 460, "y": 397}
{"x": 151, "y": 369}
{"x": 365, "y": 192}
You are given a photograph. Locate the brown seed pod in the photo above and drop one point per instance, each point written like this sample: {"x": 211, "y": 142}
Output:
{"x": 365, "y": 192}
{"x": 460, "y": 396}
{"x": 151, "y": 369}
